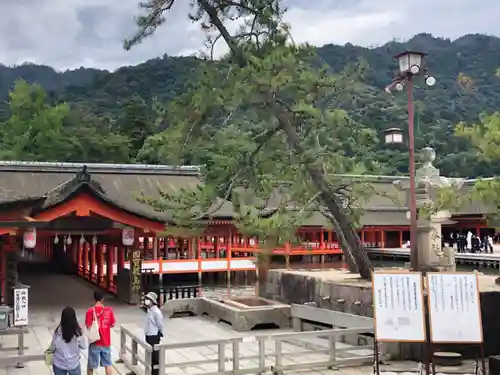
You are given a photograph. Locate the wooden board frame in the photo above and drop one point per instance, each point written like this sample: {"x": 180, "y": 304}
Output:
{"x": 399, "y": 272}
{"x": 480, "y": 322}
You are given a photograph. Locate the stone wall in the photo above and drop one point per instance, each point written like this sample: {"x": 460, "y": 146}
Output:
{"x": 352, "y": 296}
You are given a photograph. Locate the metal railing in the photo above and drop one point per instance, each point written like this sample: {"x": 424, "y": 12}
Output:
{"x": 20, "y": 358}
{"x": 271, "y": 354}
{"x": 173, "y": 292}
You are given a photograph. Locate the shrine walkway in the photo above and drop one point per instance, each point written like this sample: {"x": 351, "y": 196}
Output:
{"x": 49, "y": 293}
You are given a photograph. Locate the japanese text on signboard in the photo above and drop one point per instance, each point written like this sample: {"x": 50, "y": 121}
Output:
{"x": 135, "y": 271}
{"x": 20, "y": 307}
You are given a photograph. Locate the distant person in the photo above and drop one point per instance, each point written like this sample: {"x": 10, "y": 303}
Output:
{"x": 469, "y": 241}
{"x": 66, "y": 344}
{"x": 100, "y": 351}
{"x": 154, "y": 327}
{"x": 476, "y": 244}
{"x": 461, "y": 243}
{"x": 489, "y": 244}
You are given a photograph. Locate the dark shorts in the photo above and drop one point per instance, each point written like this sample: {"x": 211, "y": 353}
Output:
{"x": 58, "y": 371}
{"x": 99, "y": 355}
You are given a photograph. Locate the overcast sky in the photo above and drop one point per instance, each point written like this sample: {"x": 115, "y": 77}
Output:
{"x": 73, "y": 33}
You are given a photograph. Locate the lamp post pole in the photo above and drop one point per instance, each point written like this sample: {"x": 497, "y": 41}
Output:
{"x": 410, "y": 66}
{"x": 413, "y": 192}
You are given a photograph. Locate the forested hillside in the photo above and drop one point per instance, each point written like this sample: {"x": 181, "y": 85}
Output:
{"x": 109, "y": 115}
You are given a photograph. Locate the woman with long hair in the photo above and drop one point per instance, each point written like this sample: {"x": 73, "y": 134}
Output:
{"x": 66, "y": 344}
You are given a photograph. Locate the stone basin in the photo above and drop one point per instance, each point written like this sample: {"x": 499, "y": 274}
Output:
{"x": 249, "y": 302}
{"x": 243, "y": 314}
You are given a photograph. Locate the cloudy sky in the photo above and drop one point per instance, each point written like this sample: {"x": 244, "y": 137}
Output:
{"x": 73, "y": 33}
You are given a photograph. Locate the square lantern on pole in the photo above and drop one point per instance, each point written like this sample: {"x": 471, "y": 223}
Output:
{"x": 410, "y": 62}
{"x": 393, "y": 136}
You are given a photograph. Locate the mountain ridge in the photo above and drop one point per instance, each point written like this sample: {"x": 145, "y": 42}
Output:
{"x": 438, "y": 109}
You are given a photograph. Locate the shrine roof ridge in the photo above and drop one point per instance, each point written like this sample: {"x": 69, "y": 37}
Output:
{"x": 102, "y": 168}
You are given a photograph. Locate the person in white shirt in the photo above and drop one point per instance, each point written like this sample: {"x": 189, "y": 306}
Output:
{"x": 489, "y": 244}
{"x": 469, "y": 240}
{"x": 154, "y": 327}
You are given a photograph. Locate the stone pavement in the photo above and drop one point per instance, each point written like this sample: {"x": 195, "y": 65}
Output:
{"x": 50, "y": 293}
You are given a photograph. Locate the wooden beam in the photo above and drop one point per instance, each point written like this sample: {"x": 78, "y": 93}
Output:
{"x": 85, "y": 204}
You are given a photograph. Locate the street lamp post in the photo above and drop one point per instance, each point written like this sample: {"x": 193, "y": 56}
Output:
{"x": 410, "y": 67}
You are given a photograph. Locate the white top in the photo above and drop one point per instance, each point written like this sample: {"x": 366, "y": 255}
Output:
{"x": 154, "y": 321}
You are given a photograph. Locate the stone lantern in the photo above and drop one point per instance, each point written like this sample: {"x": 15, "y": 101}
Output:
{"x": 431, "y": 254}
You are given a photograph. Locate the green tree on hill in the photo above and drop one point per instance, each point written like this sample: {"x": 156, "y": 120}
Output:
{"x": 38, "y": 131}
{"x": 485, "y": 137}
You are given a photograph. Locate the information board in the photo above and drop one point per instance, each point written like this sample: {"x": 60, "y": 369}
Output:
{"x": 20, "y": 306}
{"x": 454, "y": 307}
{"x": 398, "y": 306}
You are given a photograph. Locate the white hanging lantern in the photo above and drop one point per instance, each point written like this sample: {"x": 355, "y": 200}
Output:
{"x": 56, "y": 239}
{"x": 82, "y": 239}
{"x": 128, "y": 236}
{"x": 29, "y": 238}
{"x": 69, "y": 241}
{"x": 94, "y": 240}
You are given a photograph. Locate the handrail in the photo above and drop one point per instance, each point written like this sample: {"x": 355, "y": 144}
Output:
{"x": 140, "y": 363}
{"x": 20, "y": 358}
{"x": 166, "y": 293}
{"x": 135, "y": 358}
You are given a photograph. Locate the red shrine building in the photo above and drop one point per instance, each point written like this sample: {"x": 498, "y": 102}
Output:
{"x": 87, "y": 217}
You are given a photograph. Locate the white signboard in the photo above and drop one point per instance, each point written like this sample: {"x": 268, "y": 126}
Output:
{"x": 20, "y": 307}
{"x": 398, "y": 306}
{"x": 454, "y": 308}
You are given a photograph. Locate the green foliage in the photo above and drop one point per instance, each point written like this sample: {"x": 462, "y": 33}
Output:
{"x": 484, "y": 136}
{"x": 37, "y": 131}
{"x": 34, "y": 128}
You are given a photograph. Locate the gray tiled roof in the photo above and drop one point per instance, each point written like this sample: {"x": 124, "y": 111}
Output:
{"x": 120, "y": 185}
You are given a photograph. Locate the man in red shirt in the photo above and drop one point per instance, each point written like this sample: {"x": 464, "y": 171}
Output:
{"x": 100, "y": 351}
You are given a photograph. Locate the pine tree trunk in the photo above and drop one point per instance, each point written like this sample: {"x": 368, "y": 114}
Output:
{"x": 350, "y": 243}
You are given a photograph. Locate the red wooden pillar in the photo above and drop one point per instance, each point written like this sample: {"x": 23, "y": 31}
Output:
{"x": 382, "y": 239}
{"x": 93, "y": 258}
{"x": 229, "y": 249}
{"x": 86, "y": 260}
{"x": 100, "y": 263}
{"x": 363, "y": 237}
{"x": 400, "y": 238}
{"x": 110, "y": 252}
{"x": 155, "y": 248}
{"x": 478, "y": 231}
{"x": 321, "y": 239}
{"x": 216, "y": 246}
{"x": 80, "y": 258}
{"x": 121, "y": 257}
